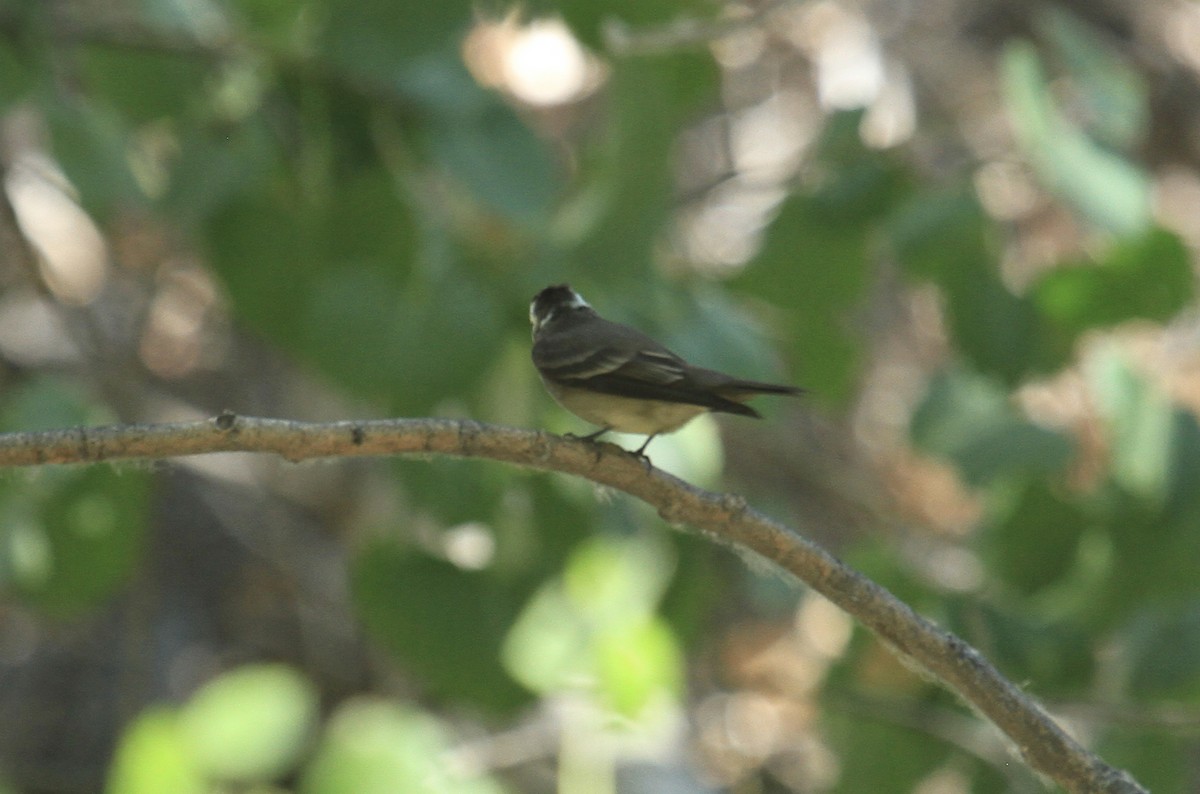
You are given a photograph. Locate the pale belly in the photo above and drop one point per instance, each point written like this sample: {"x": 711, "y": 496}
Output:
{"x": 625, "y": 415}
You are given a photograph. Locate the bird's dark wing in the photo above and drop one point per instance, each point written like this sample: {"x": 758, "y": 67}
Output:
{"x": 633, "y": 365}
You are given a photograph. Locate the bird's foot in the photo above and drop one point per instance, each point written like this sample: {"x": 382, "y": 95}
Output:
{"x": 589, "y": 436}
{"x": 591, "y": 439}
{"x": 640, "y": 452}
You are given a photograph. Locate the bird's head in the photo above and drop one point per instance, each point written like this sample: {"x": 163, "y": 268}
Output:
{"x": 554, "y": 302}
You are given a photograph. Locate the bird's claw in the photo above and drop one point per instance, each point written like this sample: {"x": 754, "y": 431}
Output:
{"x": 590, "y": 438}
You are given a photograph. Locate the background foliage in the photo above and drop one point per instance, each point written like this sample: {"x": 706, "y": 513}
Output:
{"x": 968, "y": 228}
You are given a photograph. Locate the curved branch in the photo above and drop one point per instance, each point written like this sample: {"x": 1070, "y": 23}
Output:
{"x": 725, "y": 517}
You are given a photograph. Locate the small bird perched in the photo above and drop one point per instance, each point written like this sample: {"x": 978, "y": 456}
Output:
{"x": 618, "y": 378}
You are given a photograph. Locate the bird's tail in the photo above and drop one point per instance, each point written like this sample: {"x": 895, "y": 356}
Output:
{"x": 730, "y": 396}
{"x": 736, "y": 389}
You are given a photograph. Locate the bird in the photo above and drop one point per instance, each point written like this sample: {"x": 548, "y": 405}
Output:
{"x": 618, "y": 378}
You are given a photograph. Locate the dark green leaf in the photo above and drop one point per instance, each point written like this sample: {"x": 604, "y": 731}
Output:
{"x": 944, "y": 237}
{"x": 815, "y": 264}
{"x": 967, "y": 420}
{"x": 142, "y": 85}
{"x": 48, "y": 402}
{"x": 17, "y": 76}
{"x": 1034, "y": 544}
{"x": 707, "y": 328}
{"x": 1152, "y": 554}
{"x": 278, "y": 22}
{"x": 1053, "y": 656}
{"x": 91, "y": 142}
{"x": 937, "y": 231}
{"x": 878, "y": 754}
{"x": 71, "y": 537}
{"x": 499, "y": 159}
{"x": 215, "y": 169}
{"x": 378, "y": 39}
{"x": 257, "y": 246}
{"x": 1159, "y": 759}
{"x": 1164, "y": 646}
{"x": 445, "y": 624}
{"x": 1148, "y": 276}
{"x": 626, "y": 178}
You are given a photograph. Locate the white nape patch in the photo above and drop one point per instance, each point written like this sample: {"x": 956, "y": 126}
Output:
{"x": 576, "y": 301}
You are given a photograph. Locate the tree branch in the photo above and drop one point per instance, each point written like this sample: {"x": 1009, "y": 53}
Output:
{"x": 1045, "y": 746}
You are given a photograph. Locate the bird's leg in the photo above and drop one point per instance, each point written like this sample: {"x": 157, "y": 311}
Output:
{"x": 641, "y": 451}
{"x": 590, "y": 436}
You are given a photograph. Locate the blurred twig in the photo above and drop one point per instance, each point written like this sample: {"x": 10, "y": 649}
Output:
{"x": 723, "y": 517}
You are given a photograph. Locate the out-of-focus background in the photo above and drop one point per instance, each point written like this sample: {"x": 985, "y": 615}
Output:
{"x": 968, "y": 227}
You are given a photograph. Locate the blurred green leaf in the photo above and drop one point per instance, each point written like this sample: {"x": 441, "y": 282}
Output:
{"x": 597, "y": 627}
{"x": 814, "y": 264}
{"x": 71, "y": 536}
{"x": 638, "y": 665}
{"x": 966, "y": 419}
{"x": 375, "y": 747}
{"x": 257, "y": 246}
{"x": 375, "y": 41}
{"x": 17, "y": 77}
{"x": 152, "y": 758}
{"x": 196, "y": 20}
{"x": 1152, "y": 555}
{"x": 1148, "y": 276}
{"x": 1183, "y": 497}
{"x": 447, "y": 342}
{"x": 1159, "y": 759}
{"x": 1112, "y": 92}
{"x": 455, "y": 491}
{"x": 626, "y": 178}
{"x": 936, "y": 231}
{"x": 498, "y": 159}
{"x": 1054, "y": 656}
{"x": 945, "y": 237}
{"x": 365, "y": 221}
{"x": 878, "y": 754}
{"x": 1034, "y": 543}
{"x": 281, "y": 23}
{"x": 547, "y": 534}
{"x": 1164, "y": 649}
{"x": 588, "y": 19}
{"x": 251, "y": 724}
{"x": 444, "y": 623}
{"x": 47, "y": 402}
{"x": 338, "y": 289}
{"x": 814, "y": 269}
{"x": 548, "y": 647}
{"x": 1000, "y": 333}
{"x": 142, "y": 85}
{"x": 1107, "y": 189}
{"x": 215, "y": 172}
{"x": 91, "y": 142}
{"x": 617, "y": 579}
{"x": 1138, "y": 419}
